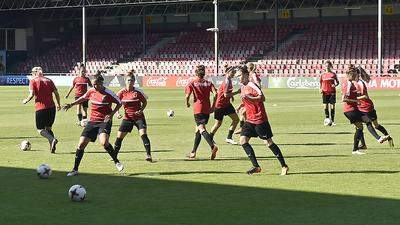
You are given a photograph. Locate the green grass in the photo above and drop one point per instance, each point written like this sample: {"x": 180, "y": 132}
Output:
{"x": 327, "y": 185}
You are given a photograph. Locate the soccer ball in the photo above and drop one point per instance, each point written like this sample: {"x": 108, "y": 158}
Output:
{"x": 327, "y": 122}
{"x": 44, "y": 171}
{"x": 25, "y": 145}
{"x": 170, "y": 113}
{"x": 77, "y": 193}
{"x": 84, "y": 122}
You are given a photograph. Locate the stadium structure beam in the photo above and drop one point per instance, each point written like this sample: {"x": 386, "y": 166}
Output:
{"x": 84, "y": 34}
{"x": 379, "y": 37}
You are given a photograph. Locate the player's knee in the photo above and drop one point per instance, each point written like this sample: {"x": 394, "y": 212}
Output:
{"x": 39, "y": 130}
{"x": 269, "y": 142}
{"x": 243, "y": 140}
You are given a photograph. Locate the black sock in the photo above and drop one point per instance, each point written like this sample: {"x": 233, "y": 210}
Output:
{"x": 362, "y": 139}
{"x": 250, "y": 153}
{"x": 382, "y": 129}
{"x": 241, "y": 123}
{"x": 51, "y": 133}
{"x": 197, "y": 139}
{"x": 326, "y": 113}
{"x": 357, "y": 138}
{"x": 146, "y": 143}
{"x": 212, "y": 135}
{"x": 118, "y": 144}
{"x": 372, "y": 130}
{"x": 208, "y": 138}
{"x": 79, "y": 117}
{"x": 84, "y": 117}
{"x": 333, "y": 114}
{"x": 277, "y": 152}
{"x": 109, "y": 148}
{"x": 230, "y": 133}
{"x": 78, "y": 157}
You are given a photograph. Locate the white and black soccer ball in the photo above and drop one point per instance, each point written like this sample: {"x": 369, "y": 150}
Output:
{"x": 170, "y": 113}
{"x": 327, "y": 122}
{"x": 77, "y": 193}
{"x": 84, "y": 122}
{"x": 25, "y": 145}
{"x": 44, "y": 171}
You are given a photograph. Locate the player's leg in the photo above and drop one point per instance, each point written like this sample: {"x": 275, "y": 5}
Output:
{"x": 125, "y": 128}
{"x": 383, "y": 130}
{"x": 215, "y": 128}
{"x": 146, "y": 143}
{"x": 79, "y": 113}
{"x": 242, "y": 120}
{"x": 197, "y": 140}
{"x": 326, "y": 110}
{"x": 244, "y": 142}
{"x": 49, "y": 125}
{"x": 80, "y": 150}
{"x": 104, "y": 141}
{"x": 332, "y": 107}
{"x": 85, "y": 106}
{"x": 202, "y": 129}
{"x": 358, "y": 136}
{"x": 235, "y": 120}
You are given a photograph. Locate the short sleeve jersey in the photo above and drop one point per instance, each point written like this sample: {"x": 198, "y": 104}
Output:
{"x": 255, "y": 111}
{"x": 366, "y": 105}
{"x": 81, "y": 85}
{"x": 43, "y": 89}
{"x": 349, "y": 91}
{"x": 201, "y": 89}
{"x": 101, "y": 102}
{"x": 132, "y": 102}
{"x": 226, "y": 87}
{"x": 328, "y": 83}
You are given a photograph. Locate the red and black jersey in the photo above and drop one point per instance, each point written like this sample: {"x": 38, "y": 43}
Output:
{"x": 328, "y": 82}
{"x": 226, "y": 87}
{"x": 101, "y": 102}
{"x": 42, "y": 89}
{"x": 255, "y": 111}
{"x": 201, "y": 90}
{"x": 132, "y": 102}
{"x": 81, "y": 85}
{"x": 349, "y": 91}
{"x": 366, "y": 104}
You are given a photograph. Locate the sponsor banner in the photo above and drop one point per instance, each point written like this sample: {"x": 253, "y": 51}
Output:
{"x": 294, "y": 82}
{"x": 381, "y": 83}
{"x": 183, "y": 81}
{"x": 14, "y": 80}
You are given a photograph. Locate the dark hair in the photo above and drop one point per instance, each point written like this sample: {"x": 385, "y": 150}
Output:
{"x": 200, "y": 71}
{"x": 329, "y": 63}
{"x": 98, "y": 77}
{"x": 244, "y": 69}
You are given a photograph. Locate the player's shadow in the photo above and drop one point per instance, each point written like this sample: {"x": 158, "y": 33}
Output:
{"x": 307, "y": 144}
{"x": 183, "y": 173}
{"x": 318, "y": 133}
{"x": 19, "y": 137}
{"x": 121, "y": 152}
{"x": 347, "y": 172}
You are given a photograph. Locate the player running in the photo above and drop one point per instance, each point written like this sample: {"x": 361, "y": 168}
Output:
{"x": 201, "y": 89}
{"x": 328, "y": 83}
{"x": 224, "y": 107}
{"x": 80, "y": 84}
{"x": 256, "y": 124}
{"x": 134, "y": 102}
{"x": 42, "y": 89}
{"x": 100, "y": 121}
{"x": 367, "y": 109}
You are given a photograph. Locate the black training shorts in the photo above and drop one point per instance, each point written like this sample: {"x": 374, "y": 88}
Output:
{"x": 263, "y": 130}
{"x": 220, "y": 113}
{"x": 93, "y": 129}
{"x": 329, "y": 98}
{"x": 353, "y": 116}
{"x": 368, "y": 117}
{"x": 127, "y": 125}
{"x": 201, "y": 118}
{"x": 45, "y": 118}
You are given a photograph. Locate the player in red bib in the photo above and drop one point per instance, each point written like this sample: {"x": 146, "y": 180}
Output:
{"x": 80, "y": 84}
{"x": 256, "y": 124}
{"x": 100, "y": 121}
{"x": 201, "y": 89}
{"x": 350, "y": 110}
{"x": 224, "y": 107}
{"x": 328, "y": 83}
{"x": 367, "y": 109}
{"x": 43, "y": 89}
{"x": 134, "y": 102}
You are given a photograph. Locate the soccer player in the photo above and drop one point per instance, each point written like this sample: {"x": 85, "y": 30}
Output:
{"x": 367, "y": 109}
{"x": 350, "y": 110}
{"x": 80, "y": 84}
{"x": 43, "y": 89}
{"x": 201, "y": 89}
{"x": 224, "y": 107}
{"x": 100, "y": 121}
{"x": 328, "y": 83}
{"x": 256, "y": 124}
{"x": 134, "y": 102}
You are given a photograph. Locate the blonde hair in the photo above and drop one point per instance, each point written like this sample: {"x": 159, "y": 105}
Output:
{"x": 251, "y": 67}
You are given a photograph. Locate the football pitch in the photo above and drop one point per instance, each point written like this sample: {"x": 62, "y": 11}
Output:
{"x": 326, "y": 185}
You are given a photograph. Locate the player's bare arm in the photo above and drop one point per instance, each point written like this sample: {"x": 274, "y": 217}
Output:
{"x": 187, "y": 96}
{"x": 76, "y": 102}
{"x": 57, "y": 95}
{"x": 29, "y": 98}
{"x": 69, "y": 92}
